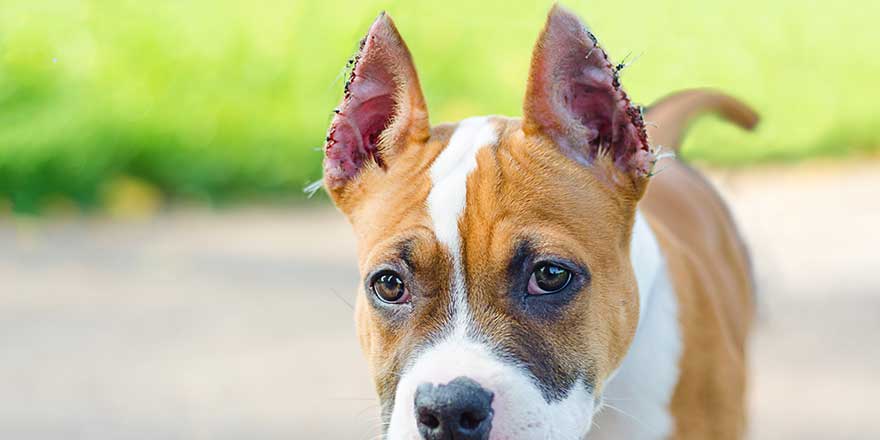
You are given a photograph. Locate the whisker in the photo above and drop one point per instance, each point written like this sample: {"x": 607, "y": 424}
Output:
{"x": 612, "y": 399}
{"x": 634, "y": 418}
{"x": 312, "y": 188}
{"x": 341, "y": 298}
{"x": 369, "y": 408}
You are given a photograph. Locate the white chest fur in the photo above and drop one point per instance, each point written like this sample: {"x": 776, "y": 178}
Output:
{"x": 638, "y": 394}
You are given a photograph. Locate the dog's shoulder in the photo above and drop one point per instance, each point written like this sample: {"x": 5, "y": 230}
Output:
{"x": 709, "y": 269}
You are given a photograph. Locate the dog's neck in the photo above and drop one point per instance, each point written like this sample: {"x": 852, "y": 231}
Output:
{"x": 647, "y": 261}
{"x": 637, "y": 396}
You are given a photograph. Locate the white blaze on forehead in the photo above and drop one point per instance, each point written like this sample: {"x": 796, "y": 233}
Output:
{"x": 449, "y": 177}
{"x": 446, "y": 201}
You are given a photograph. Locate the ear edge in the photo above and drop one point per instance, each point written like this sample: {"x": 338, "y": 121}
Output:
{"x": 383, "y": 89}
{"x": 566, "y": 44}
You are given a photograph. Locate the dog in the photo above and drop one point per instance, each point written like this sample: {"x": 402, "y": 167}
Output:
{"x": 541, "y": 277}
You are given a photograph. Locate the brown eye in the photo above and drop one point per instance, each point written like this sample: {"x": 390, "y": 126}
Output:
{"x": 548, "y": 278}
{"x": 388, "y": 287}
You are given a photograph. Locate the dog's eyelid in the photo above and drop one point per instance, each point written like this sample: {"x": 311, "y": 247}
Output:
{"x": 570, "y": 263}
{"x": 563, "y": 262}
{"x": 527, "y": 255}
{"x": 398, "y": 267}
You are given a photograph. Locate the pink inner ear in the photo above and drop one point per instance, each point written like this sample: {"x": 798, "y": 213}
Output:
{"x": 592, "y": 103}
{"x": 366, "y": 111}
{"x": 595, "y": 99}
{"x": 574, "y": 96}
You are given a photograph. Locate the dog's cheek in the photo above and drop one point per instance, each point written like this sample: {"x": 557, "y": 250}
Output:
{"x": 363, "y": 324}
{"x": 618, "y": 315}
{"x": 628, "y": 318}
{"x": 369, "y": 335}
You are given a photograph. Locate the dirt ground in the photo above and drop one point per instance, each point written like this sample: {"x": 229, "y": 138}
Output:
{"x": 235, "y": 325}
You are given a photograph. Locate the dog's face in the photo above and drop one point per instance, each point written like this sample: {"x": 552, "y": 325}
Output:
{"x": 497, "y": 294}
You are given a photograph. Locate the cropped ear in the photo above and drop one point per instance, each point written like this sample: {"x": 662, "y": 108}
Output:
{"x": 382, "y": 110}
{"x": 574, "y": 98}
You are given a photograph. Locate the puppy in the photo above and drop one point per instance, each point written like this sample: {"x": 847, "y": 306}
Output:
{"x": 536, "y": 277}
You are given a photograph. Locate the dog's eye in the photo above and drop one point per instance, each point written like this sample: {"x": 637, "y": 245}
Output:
{"x": 388, "y": 287}
{"x": 548, "y": 278}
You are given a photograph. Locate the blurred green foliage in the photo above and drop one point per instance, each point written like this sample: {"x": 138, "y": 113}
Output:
{"x": 218, "y": 100}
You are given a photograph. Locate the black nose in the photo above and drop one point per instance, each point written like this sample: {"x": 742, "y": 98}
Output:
{"x": 459, "y": 410}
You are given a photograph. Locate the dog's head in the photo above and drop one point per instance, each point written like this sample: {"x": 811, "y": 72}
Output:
{"x": 497, "y": 294}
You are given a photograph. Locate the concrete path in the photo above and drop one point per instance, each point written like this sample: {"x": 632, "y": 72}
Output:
{"x": 236, "y": 325}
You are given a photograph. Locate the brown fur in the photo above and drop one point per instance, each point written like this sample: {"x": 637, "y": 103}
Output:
{"x": 526, "y": 190}
{"x": 711, "y": 274}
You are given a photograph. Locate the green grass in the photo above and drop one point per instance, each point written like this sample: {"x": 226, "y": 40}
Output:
{"x": 224, "y": 100}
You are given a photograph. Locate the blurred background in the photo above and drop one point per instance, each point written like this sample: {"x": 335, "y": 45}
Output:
{"x": 164, "y": 275}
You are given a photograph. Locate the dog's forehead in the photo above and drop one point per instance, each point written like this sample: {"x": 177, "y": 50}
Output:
{"x": 472, "y": 177}
{"x": 425, "y": 188}
{"x": 490, "y": 175}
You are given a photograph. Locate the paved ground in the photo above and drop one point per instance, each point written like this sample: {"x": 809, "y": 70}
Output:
{"x": 235, "y": 325}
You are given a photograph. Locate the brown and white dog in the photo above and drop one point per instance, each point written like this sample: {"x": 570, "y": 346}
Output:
{"x": 532, "y": 278}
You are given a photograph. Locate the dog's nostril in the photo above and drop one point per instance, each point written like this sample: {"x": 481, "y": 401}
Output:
{"x": 470, "y": 421}
{"x": 429, "y": 420}
{"x": 459, "y": 410}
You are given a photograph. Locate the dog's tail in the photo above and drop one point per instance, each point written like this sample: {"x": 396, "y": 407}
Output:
{"x": 668, "y": 118}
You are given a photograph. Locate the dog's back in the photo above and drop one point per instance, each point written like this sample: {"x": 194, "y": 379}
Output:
{"x": 710, "y": 269}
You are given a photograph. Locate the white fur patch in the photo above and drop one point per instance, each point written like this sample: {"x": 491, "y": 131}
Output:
{"x": 637, "y": 396}
{"x": 447, "y": 198}
{"x": 647, "y": 261}
{"x": 520, "y": 410}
